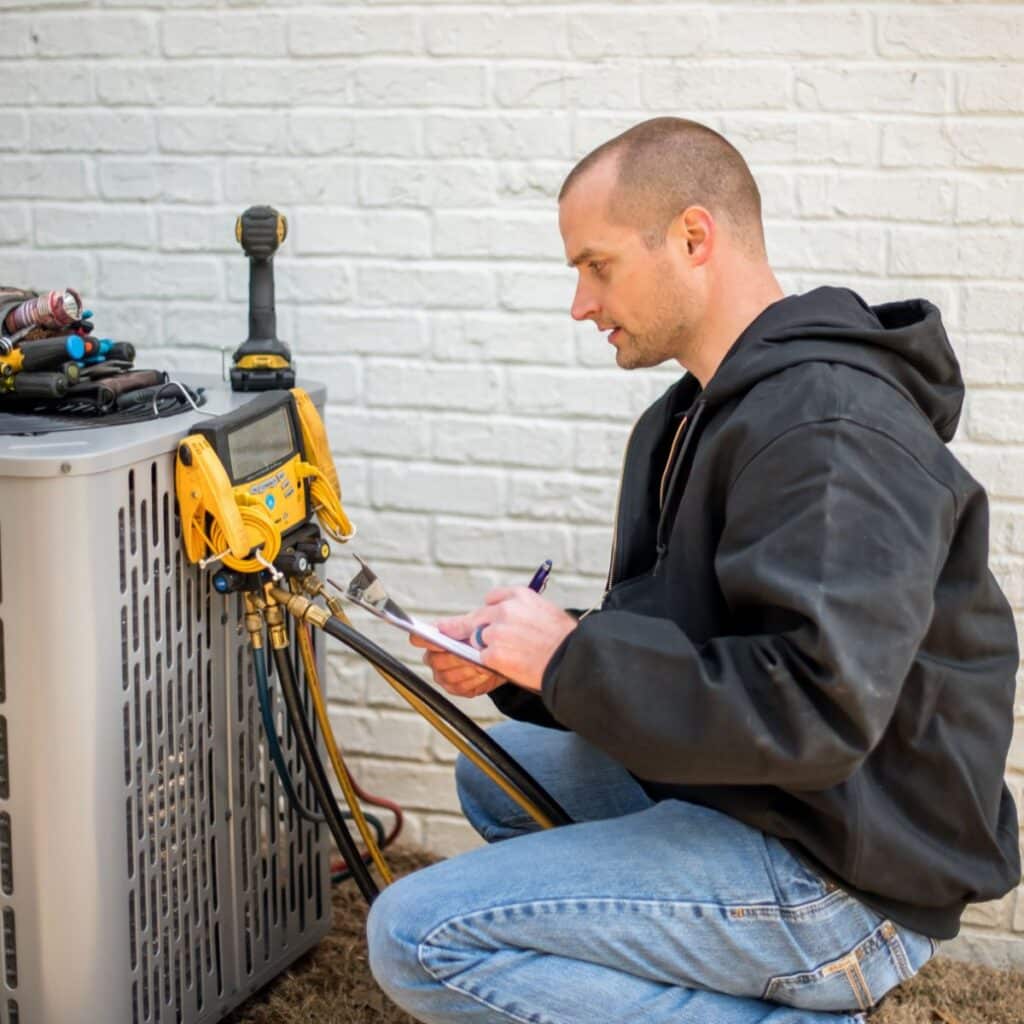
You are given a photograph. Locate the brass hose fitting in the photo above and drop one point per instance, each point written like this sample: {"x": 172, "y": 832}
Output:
{"x": 254, "y": 619}
{"x": 274, "y": 617}
{"x": 315, "y": 586}
{"x": 299, "y": 607}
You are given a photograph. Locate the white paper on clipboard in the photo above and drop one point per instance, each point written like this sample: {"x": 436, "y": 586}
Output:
{"x": 422, "y": 629}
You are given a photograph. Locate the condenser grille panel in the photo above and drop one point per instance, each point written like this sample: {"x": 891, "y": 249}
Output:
{"x": 9, "y": 1006}
{"x": 171, "y": 832}
{"x": 224, "y": 877}
{"x": 150, "y": 870}
{"x": 6, "y": 855}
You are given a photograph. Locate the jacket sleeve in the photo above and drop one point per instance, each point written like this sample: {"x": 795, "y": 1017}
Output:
{"x": 524, "y": 705}
{"x": 833, "y": 539}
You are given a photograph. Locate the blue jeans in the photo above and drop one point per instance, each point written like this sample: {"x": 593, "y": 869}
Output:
{"x": 642, "y": 911}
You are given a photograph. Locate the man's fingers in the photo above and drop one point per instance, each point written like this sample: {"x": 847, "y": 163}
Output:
{"x": 499, "y": 594}
{"x": 442, "y": 661}
{"x": 418, "y": 641}
{"x": 458, "y": 627}
{"x": 463, "y": 676}
{"x": 469, "y": 626}
{"x": 481, "y": 690}
{"x": 470, "y": 686}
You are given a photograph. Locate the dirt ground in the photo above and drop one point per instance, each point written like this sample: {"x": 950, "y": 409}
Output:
{"x": 333, "y": 985}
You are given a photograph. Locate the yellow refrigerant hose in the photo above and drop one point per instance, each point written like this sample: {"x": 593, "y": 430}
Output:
{"x": 340, "y": 769}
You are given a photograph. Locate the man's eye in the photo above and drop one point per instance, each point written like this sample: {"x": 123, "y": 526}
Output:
{"x": 597, "y": 267}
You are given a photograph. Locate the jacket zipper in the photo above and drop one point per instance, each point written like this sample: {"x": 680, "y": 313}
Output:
{"x": 672, "y": 472}
{"x": 668, "y": 462}
{"x": 615, "y": 526}
{"x": 663, "y": 495}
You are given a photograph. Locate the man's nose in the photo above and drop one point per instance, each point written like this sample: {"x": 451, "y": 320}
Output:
{"x": 584, "y": 305}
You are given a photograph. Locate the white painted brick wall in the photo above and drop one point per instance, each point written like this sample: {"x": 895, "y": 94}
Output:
{"x": 416, "y": 148}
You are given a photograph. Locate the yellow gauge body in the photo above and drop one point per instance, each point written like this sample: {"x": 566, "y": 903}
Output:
{"x": 314, "y": 437}
{"x": 281, "y": 492}
{"x": 203, "y": 490}
{"x": 246, "y": 479}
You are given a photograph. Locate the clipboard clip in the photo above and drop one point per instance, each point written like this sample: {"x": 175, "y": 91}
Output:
{"x": 365, "y": 588}
{"x": 367, "y": 591}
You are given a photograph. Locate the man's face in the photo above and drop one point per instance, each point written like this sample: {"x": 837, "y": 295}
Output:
{"x": 641, "y": 295}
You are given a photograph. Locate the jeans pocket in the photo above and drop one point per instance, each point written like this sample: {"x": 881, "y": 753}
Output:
{"x": 854, "y": 981}
{"x": 795, "y": 881}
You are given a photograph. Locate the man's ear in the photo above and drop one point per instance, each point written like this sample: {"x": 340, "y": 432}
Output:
{"x": 694, "y": 230}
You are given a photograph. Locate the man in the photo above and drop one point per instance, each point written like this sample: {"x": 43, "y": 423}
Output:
{"x": 783, "y": 731}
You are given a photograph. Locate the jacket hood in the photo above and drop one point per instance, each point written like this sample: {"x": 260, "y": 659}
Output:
{"x": 903, "y": 343}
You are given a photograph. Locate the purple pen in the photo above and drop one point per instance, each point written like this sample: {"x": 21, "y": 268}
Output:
{"x": 540, "y": 577}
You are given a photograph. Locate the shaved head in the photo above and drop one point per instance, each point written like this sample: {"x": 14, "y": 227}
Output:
{"x": 668, "y": 164}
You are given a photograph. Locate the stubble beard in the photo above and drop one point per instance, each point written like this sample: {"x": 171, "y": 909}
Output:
{"x": 673, "y": 329}
{"x": 670, "y": 341}
{"x": 635, "y": 353}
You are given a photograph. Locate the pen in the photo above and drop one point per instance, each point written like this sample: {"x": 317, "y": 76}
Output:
{"x": 540, "y": 577}
{"x": 537, "y": 584}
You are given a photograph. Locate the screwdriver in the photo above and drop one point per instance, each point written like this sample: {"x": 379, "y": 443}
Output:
{"x": 108, "y": 349}
{"x": 36, "y": 385}
{"x": 43, "y": 355}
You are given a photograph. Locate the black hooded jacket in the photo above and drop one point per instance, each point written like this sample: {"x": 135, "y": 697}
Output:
{"x": 800, "y": 628}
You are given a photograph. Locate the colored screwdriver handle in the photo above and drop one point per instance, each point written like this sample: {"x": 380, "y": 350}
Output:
{"x": 50, "y": 353}
{"x": 98, "y": 349}
{"x": 80, "y": 346}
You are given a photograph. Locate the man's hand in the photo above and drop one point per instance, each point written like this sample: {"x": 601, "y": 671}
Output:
{"x": 458, "y": 677}
{"x": 519, "y": 630}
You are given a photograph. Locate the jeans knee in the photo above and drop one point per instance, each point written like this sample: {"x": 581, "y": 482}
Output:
{"x": 489, "y": 810}
{"x": 392, "y": 942}
{"x": 471, "y": 786}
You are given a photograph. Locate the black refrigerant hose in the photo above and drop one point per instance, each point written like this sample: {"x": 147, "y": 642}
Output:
{"x": 259, "y": 663}
{"x": 511, "y": 769}
{"x": 307, "y": 750}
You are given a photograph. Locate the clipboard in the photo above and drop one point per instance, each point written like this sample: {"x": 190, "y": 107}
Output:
{"x": 366, "y": 590}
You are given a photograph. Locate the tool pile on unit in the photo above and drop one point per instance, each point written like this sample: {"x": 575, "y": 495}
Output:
{"x": 53, "y": 363}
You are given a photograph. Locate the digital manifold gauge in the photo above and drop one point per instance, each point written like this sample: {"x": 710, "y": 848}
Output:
{"x": 249, "y": 482}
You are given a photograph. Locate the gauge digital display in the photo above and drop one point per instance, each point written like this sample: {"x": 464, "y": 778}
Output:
{"x": 257, "y": 446}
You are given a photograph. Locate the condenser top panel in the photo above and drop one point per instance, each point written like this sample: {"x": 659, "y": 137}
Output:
{"x": 98, "y": 449}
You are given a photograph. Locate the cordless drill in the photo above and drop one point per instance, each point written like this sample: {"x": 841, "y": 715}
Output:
{"x": 263, "y": 362}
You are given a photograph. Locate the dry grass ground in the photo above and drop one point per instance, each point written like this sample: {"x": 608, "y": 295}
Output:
{"x": 332, "y": 984}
